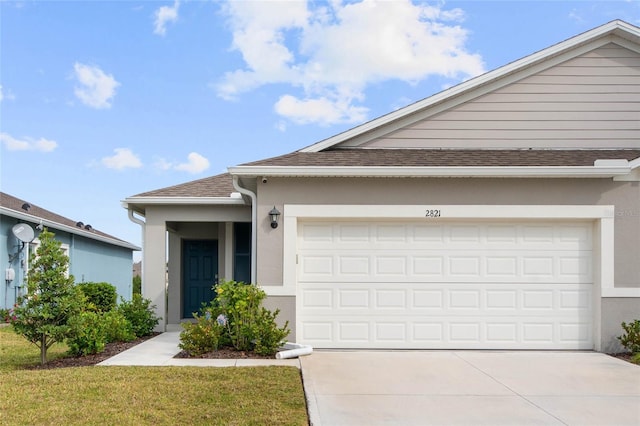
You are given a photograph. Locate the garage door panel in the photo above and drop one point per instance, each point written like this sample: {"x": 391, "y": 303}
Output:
{"x": 447, "y": 333}
{"x": 445, "y": 285}
{"x": 438, "y": 236}
{"x": 445, "y": 265}
{"x": 495, "y": 299}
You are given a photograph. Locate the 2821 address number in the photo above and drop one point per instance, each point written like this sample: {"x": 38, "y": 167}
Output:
{"x": 432, "y": 213}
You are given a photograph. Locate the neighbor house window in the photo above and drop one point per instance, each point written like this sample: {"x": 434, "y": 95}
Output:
{"x": 33, "y": 248}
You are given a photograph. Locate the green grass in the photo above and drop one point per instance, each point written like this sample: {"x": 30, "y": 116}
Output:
{"x": 143, "y": 395}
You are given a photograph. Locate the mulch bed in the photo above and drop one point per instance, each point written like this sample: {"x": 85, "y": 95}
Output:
{"x": 114, "y": 348}
{"x": 626, "y": 356}
{"x": 110, "y": 350}
{"x": 225, "y": 353}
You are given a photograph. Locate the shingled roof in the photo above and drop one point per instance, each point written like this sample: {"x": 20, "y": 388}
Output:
{"x": 445, "y": 158}
{"x": 36, "y": 213}
{"x": 213, "y": 186}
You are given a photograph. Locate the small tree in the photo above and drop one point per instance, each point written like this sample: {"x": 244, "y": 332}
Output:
{"x": 52, "y": 299}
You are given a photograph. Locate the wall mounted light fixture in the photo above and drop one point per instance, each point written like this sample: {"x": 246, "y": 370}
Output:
{"x": 274, "y": 214}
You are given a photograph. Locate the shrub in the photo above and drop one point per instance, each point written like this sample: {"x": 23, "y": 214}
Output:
{"x": 631, "y": 338}
{"x": 89, "y": 334}
{"x": 235, "y": 318}
{"x": 101, "y": 296}
{"x": 118, "y": 328}
{"x": 137, "y": 284}
{"x": 5, "y": 315}
{"x": 267, "y": 336}
{"x": 139, "y": 312}
{"x": 204, "y": 335}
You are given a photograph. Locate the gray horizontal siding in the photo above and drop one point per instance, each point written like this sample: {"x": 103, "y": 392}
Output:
{"x": 590, "y": 101}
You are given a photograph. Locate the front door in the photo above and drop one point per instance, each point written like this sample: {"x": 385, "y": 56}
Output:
{"x": 199, "y": 274}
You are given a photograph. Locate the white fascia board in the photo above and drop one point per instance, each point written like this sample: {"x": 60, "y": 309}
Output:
{"x": 67, "y": 228}
{"x": 481, "y": 80}
{"x": 532, "y": 171}
{"x": 183, "y": 201}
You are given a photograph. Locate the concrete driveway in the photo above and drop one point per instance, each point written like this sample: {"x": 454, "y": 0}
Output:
{"x": 470, "y": 388}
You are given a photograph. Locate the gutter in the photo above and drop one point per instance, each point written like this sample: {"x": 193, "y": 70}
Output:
{"x": 67, "y": 228}
{"x": 254, "y": 224}
{"x": 601, "y": 169}
{"x": 234, "y": 198}
{"x": 142, "y": 224}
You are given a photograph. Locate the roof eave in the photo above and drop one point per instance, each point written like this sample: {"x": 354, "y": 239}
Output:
{"x": 232, "y": 200}
{"x": 403, "y": 171}
{"x": 70, "y": 229}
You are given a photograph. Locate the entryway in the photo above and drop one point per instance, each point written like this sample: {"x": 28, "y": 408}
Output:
{"x": 200, "y": 273}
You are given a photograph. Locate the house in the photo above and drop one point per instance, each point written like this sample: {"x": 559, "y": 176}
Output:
{"x": 502, "y": 213}
{"x": 93, "y": 255}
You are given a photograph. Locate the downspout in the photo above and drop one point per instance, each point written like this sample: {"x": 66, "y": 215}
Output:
{"x": 142, "y": 224}
{"x": 254, "y": 224}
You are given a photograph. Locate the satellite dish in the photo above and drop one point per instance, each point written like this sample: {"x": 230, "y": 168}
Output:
{"x": 23, "y": 232}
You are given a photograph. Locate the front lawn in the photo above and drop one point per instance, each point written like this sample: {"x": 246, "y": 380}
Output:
{"x": 143, "y": 395}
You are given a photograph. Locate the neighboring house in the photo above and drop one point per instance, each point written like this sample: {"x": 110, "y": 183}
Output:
{"x": 93, "y": 255}
{"x": 502, "y": 213}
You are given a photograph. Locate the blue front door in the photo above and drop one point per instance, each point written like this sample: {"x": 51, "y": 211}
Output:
{"x": 199, "y": 273}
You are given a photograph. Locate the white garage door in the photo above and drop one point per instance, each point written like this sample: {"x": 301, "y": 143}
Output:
{"x": 455, "y": 285}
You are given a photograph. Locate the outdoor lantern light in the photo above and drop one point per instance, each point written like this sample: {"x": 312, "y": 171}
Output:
{"x": 274, "y": 214}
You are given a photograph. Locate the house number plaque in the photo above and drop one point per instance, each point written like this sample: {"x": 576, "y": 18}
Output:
{"x": 432, "y": 213}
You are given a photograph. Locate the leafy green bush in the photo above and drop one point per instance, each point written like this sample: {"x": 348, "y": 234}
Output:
{"x": 631, "y": 338}
{"x": 118, "y": 328}
{"x": 89, "y": 334}
{"x": 235, "y": 318}
{"x": 102, "y": 297}
{"x": 137, "y": 284}
{"x": 140, "y": 313}
{"x": 5, "y": 315}
{"x": 203, "y": 336}
{"x": 93, "y": 330}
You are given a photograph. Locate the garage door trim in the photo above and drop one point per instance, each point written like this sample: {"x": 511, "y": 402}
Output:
{"x": 603, "y": 233}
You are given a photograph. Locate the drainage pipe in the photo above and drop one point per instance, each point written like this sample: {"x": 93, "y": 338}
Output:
{"x": 142, "y": 224}
{"x": 254, "y": 224}
{"x": 294, "y": 350}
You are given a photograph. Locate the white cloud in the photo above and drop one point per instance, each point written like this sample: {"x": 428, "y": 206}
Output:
{"x": 8, "y": 96}
{"x": 96, "y": 88}
{"x": 162, "y": 164}
{"x": 163, "y": 16}
{"x": 319, "y": 110}
{"x": 123, "y": 158}
{"x": 27, "y": 144}
{"x": 332, "y": 51}
{"x": 195, "y": 164}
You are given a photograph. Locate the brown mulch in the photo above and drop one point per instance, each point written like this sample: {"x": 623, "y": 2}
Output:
{"x": 224, "y": 353}
{"x": 114, "y": 348}
{"x": 110, "y": 350}
{"x": 625, "y": 356}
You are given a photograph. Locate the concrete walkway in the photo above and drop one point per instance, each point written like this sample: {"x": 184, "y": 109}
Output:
{"x": 160, "y": 351}
{"x": 470, "y": 388}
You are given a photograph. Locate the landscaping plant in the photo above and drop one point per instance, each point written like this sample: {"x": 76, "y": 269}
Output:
{"x": 205, "y": 335}
{"x": 631, "y": 338}
{"x": 101, "y": 297}
{"x": 235, "y": 318}
{"x": 43, "y": 315}
{"x": 140, "y": 313}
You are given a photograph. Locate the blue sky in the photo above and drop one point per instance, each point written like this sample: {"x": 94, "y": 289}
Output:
{"x": 103, "y": 100}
